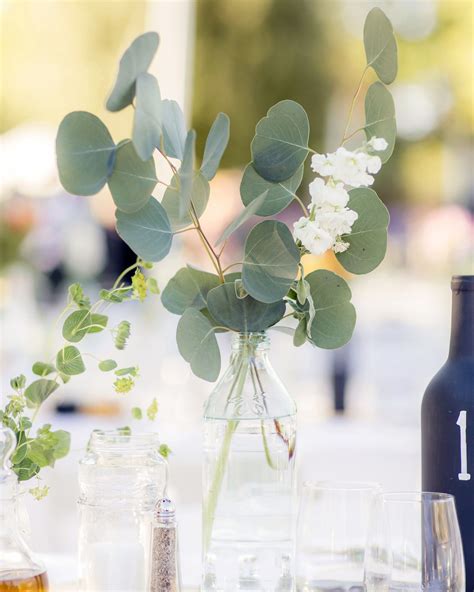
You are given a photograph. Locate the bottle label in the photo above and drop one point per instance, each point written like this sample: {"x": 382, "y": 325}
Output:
{"x": 462, "y": 423}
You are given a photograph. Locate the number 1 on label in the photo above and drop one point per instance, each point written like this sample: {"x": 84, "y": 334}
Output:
{"x": 462, "y": 423}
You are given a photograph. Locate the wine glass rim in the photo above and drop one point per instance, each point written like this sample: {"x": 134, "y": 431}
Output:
{"x": 342, "y": 486}
{"x": 411, "y": 497}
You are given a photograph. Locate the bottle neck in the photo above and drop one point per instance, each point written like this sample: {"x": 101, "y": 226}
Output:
{"x": 462, "y": 319}
{"x": 250, "y": 345}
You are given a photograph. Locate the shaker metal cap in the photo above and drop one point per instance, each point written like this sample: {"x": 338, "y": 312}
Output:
{"x": 164, "y": 510}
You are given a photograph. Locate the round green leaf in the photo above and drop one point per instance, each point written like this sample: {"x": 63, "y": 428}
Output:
{"x": 132, "y": 180}
{"x": 216, "y": 144}
{"x": 69, "y": 361}
{"x": 280, "y": 145}
{"x": 380, "y": 117}
{"x": 77, "y": 325}
{"x": 368, "y": 238}
{"x": 147, "y": 120}
{"x": 147, "y": 232}
{"x": 197, "y": 344}
{"x": 107, "y": 365}
{"x": 172, "y": 199}
{"x": 136, "y": 60}
{"x": 39, "y": 390}
{"x": 334, "y": 315}
{"x": 174, "y": 129}
{"x": 242, "y": 314}
{"x": 43, "y": 369}
{"x": 188, "y": 288}
{"x": 380, "y": 45}
{"x": 85, "y": 153}
{"x": 271, "y": 261}
{"x": 279, "y": 195}
{"x": 245, "y": 215}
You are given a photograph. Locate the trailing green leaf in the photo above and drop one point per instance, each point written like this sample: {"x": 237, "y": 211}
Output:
{"x": 132, "y": 180}
{"x": 69, "y": 361}
{"x": 43, "y": 369}
{"x": 271, "y": 261}
{"x": 216, "y": 144}
{"x": 85, "y": 153}
{"x": 147, "y": 232}
{"x": 136, "y": 60}
{"x": 368, "y": 237}
{"x": 380, "y": 45}
{"x": 280, "y": 145}
{"x": 197, "y": 344}
{"x": 76, "y": 295}
{"x": 39, "y": 390}
{"x": 107, "y": 365}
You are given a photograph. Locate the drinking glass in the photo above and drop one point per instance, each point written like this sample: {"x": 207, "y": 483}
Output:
{"x": 331, "y": 537}
{"x": 414, "y": 544}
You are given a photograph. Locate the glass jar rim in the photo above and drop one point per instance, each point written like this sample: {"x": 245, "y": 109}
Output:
{"x": 119, "y": 439}
{"x": 413, "y": 497}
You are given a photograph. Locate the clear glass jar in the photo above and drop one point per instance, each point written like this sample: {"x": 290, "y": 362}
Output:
{"x": 19, "y": 569}
{"x": 120, "y": 478}
{"x": 249, "y": 476}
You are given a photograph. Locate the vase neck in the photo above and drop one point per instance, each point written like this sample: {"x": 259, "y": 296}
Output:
{"x": 250, "y": 344}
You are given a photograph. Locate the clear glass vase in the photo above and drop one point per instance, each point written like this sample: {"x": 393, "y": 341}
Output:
{"x": 121, "y": 478}
{"x": 249, "y": 475}
{"x": 19, "y": 569}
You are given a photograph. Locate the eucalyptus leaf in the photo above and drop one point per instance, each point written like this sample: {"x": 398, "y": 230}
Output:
{"x": 43, "y": 369}
{"x": 172, "y": 199}
{"x": 280, "y": 145}
{"x": 335, "y": 316}
{"x": 147, "y": 232}
{"x": 39, "y": 390}
{"x": 380, "y": 117}
{"x": 216, "y": 144}
{"x": 136, "y": 60}
{"x": 188, "y": 288}
{"x": 132, "y": 180}
{"x": 271, "y": 261}
{"x": 147, "y": 120}
{"x": 197, "y": 344}
{"x": 368, "y": 237}
{"x": 186, "y": 173}
{"x": 380, "y": 45}
{"x": 300, "y": 336}
{"x": 174, "y": 129}
{"x": 245, "y": 215}
{"x": 242, "y": 314}
{"x": 69, "y": 361}
{"x": 85, "y": 153}
{"x": 279, "y": 195}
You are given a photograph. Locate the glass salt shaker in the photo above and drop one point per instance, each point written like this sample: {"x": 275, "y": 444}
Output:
{"x": 164, "y": 573}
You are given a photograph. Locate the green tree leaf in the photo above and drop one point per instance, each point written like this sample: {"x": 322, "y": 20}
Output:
{"x": 39, "y": 455}
{"x": 188, "y": 288}
{"x": 147, "y": 232}
{"x": 172, "y": 199}
{"x": 242, "y": 314}
{"x": 334, "y": 315}
{"x": 132, "y": 180}
{"x": 368, "y": 238}
{"x": 280, "y": 145}
{"x": 43, "y": 369}
{"x": 186, "y": 173}
{"x": 174, "y": 129}
{"x": 69, "y": 361}
{"x": 197, "y": 344}
{"x": 107, "y": 365}
{"x": 245, "y": 215}
{"x": 85, "y": 153}
{"x": 271, "y": 261}
{"x": 136, "y": 60}
{"x": 80, "y": 322}
{"x": 146, "y": 133}
{"x": 279, "y": 195}
{"x": 216, "y": 144}
{"x": 380, "y": 45}
{"x": 39, "y": 390}
{"x": 380, "y": 117}
{"x": 62, "y": 444}
{"x": 76, "y": 294}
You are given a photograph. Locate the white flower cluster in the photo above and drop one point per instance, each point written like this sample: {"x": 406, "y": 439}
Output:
{"x": 330, "y": 218}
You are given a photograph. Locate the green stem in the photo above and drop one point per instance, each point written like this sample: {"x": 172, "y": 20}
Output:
{"x": 124, "y": 273}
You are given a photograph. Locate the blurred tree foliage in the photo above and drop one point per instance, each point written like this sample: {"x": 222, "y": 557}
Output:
{"x": 252, "y": 54}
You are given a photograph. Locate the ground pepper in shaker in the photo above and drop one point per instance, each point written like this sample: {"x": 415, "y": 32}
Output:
{"x": 165, "y": 576}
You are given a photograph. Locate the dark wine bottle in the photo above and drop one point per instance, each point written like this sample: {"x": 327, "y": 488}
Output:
{"x": 447, "y": 420}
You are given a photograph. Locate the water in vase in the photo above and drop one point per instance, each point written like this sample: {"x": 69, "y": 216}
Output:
{"x": 248, "y": 504}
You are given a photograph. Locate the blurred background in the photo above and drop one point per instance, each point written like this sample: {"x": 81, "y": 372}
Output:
{"x": 359, "y": 407}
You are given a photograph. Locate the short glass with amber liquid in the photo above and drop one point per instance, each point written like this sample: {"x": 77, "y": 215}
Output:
{"x": 19, "y": 570}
